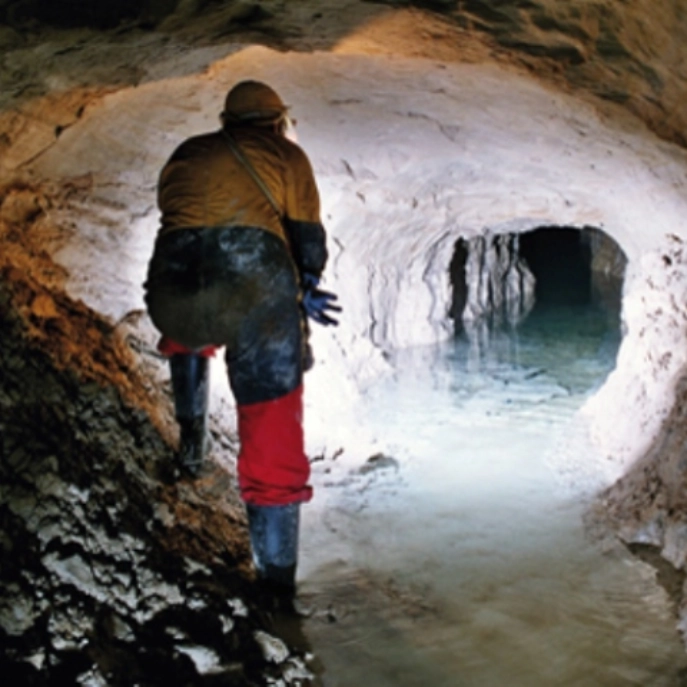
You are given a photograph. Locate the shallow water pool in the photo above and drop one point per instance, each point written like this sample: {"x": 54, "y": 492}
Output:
{"x": 455, "y": 556}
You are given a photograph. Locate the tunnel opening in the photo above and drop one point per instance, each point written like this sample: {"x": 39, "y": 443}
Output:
{"x": 574, "y": 267}
{"x": 544, "y": 296}
{"x": 507, "y": 278}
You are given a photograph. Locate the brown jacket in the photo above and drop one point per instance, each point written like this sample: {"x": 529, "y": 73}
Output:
{"x": 204, "y": 185}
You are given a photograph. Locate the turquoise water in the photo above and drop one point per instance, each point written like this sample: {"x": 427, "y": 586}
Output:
{"x": 457, "y": 557}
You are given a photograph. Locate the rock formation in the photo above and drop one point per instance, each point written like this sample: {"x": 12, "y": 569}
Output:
{"x": 500, "y": 286}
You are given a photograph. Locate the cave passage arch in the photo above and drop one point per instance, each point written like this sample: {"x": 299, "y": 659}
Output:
{"x": 502, "y": 279}
{"x": 466, "y": 121}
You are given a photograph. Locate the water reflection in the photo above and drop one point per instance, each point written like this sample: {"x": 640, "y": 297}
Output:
{"x": 463, "y": 561}
{"x": 577, "y": 344}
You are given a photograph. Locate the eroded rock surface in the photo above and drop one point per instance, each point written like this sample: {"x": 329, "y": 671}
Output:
{"x": 624, "y": 52}
{"x": 114, "y": 570}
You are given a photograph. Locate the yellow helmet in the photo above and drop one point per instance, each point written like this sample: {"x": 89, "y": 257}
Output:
{"x": 254, "y": 102}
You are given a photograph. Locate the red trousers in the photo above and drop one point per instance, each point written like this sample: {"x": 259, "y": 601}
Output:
{"x": 273, "y": 469}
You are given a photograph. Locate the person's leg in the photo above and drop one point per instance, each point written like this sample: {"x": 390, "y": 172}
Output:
{"x": 173, "y": 292}
{"x": 273, "y": 469}
{"x": 246, "y": 298}
{"x": 190, "y": 383}
{"x": 274, "y": 541}
{"x": 266, "y": 375}
{"x": 272, "y": 466}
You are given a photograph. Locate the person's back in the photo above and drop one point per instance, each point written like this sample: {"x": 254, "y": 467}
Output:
{"x": 204, "y": 184}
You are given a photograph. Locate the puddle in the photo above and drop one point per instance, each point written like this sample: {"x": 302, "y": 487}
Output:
{"x": 456, "y": 555}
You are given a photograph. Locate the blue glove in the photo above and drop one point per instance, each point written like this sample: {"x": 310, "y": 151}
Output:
{"x": 317, "y": 302}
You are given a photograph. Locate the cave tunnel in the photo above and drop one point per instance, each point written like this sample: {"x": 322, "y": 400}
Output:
{"x": 118, "y": 574}
{"x": 568, "y": 267}
{"x": 574, "y": 267}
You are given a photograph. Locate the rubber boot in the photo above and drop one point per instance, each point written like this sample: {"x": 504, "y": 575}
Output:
{"x": 274, "y": 541}
{"x": 190, "y": 382}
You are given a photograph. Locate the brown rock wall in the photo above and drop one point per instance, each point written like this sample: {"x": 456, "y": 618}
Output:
{"x": 113, "y": 572}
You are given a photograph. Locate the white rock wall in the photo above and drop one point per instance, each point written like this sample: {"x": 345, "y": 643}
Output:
{"x": 411, "y": 154}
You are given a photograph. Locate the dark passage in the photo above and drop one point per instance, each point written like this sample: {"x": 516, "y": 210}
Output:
{"x": 560, "y": 260}
{"x": 459, "y": 287}
{"x": 566, "y": 282}
{"x": 575, "y": 321}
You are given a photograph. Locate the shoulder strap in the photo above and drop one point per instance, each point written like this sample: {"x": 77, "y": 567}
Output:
{"x": 238, "y": 153}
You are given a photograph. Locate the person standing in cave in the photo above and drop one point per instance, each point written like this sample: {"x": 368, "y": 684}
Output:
{"x": 237, "y": 263}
